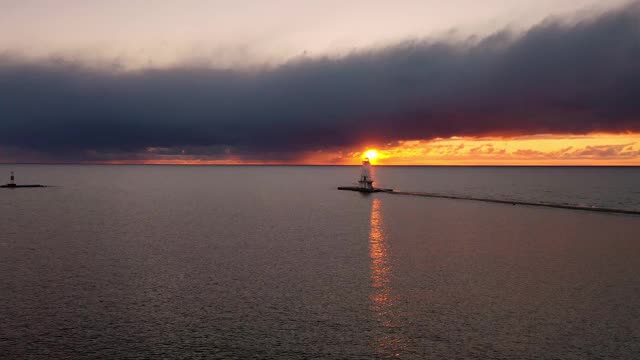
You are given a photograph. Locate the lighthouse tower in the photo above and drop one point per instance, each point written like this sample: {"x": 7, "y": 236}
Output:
{"x": 366, "y": 180}
{"x": 12, "y": 181}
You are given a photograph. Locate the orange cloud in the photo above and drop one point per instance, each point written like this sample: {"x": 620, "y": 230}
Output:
{"x": 546, "y": 149}
{"x": 593, "y": 149}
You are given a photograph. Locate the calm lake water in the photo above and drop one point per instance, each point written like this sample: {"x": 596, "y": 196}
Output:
{"x": 139, "y": 262}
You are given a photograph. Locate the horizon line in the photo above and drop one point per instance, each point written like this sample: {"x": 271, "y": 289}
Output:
{"x": 290, "y": 164}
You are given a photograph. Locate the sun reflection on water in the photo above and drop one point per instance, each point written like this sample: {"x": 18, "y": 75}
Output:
{"x": 388, "y": 340}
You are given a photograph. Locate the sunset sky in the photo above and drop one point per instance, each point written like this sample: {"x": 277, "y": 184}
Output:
{"x": 462, "y": 82}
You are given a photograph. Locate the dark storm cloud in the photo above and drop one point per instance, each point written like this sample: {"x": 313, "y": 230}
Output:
{"x": 574, "y": 76}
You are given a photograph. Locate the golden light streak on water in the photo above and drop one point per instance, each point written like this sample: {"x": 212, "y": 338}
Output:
{"x": 388, "y": 340}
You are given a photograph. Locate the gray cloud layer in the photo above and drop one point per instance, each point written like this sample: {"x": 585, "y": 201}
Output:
{"x": 559, "y": 77}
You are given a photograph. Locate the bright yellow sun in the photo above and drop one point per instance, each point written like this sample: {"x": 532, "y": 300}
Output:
{"x": 371, "y": 154}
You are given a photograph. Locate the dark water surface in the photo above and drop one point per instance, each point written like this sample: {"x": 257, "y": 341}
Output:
{"x": 272, "y": 262}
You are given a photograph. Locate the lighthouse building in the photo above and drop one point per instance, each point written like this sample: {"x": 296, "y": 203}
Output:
{"x": 366, "y": 180}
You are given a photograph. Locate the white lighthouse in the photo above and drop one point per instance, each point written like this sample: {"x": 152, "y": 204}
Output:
{"x": 365, "y": 183}
{"x": 12, "y": 181}
{"x": 366, "y": 180}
